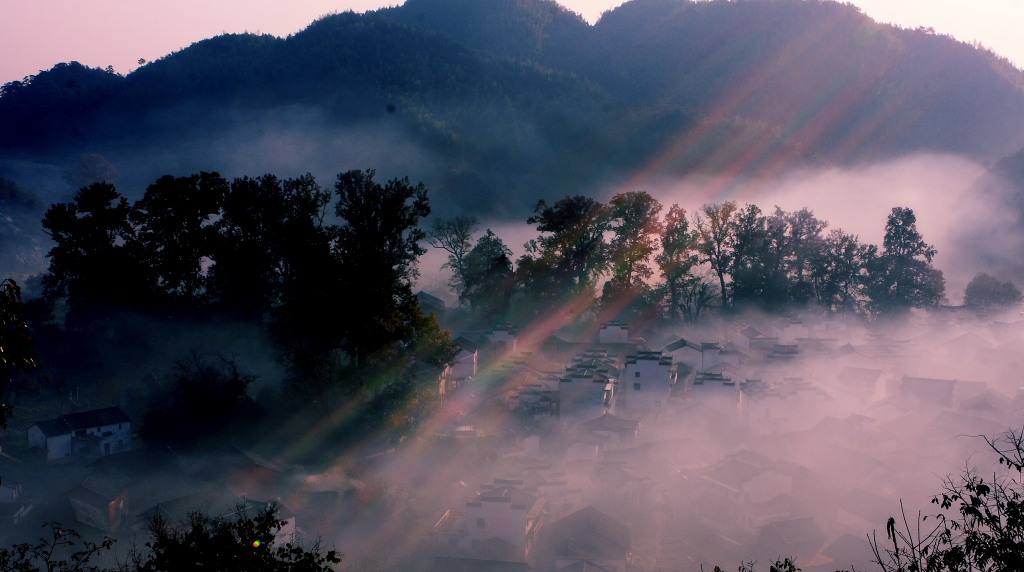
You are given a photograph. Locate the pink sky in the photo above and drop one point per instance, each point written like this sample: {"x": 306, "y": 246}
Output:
{"x": 35, "y": 35}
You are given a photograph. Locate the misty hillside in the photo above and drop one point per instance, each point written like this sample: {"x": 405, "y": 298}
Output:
{"x": 526, "y": 98}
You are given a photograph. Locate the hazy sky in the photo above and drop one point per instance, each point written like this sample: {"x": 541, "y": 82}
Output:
{"x": 35, "y": 35}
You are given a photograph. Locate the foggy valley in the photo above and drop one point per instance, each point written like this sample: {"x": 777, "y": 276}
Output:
{"x": 445, "y": 287}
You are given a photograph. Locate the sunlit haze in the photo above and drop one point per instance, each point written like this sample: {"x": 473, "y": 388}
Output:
{"x": 36, "y": 35}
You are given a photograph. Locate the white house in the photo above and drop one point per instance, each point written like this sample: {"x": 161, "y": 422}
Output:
{"x": 613, "y": 333}
{"x": 501, "y": 521}
{"x": 95, "y": 433}
{"x": 464, "y": 364}
{"x": 646, "y": 382}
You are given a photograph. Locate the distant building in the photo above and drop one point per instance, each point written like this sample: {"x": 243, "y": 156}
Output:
{"x": 646, "y": 383}
{"x": 613, "y": 333}
{"x": 88, "y": 434}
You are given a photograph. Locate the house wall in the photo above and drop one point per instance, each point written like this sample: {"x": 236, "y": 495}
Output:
{"x": 499, "y": 519}
{"x": 646, "y": 383}
{"x": 464, "y": 365}
{"x": 583, "y": 397}
{"x": 58, "y": 447}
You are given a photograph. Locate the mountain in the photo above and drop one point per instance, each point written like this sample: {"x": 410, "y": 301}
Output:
{"x": 522, "y": 99}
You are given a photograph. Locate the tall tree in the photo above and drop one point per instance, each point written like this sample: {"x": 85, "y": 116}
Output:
{"x": 803, "y": 243}
{"x": 840, "y": 271}
{"x": 635, "y": 229}
{"x": 758, "y": 253}
{"x": 17, "y": 351}
{"x": 92, "y": 263}
{"x": 378, "y": 245}
{"x": 903, "y": 277}
{"x": 245, "y": 278}
{"x": 573, "y": 254}
{"x": 175, "y": 231}
{"x": 677, "y": 258}
{"x": 488, "y": 278}
{"x": 714, "y": 224}
{"x": 454, "y": 237}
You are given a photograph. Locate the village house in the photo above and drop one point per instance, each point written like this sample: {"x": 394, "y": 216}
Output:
{"x": 88, "y": 434}
{"x": 646, "y": 383}
{"x": 587, "y": 389}
{"x": 613, "y": 333}
{"x": 500, "y": 523}
{"x": 587, "y": 539}
{"x": 101, "y": 500}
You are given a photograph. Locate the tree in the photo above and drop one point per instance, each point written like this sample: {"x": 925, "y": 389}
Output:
{"x": 488, "y": 277}
{"x": 676, "y": 261}
{"x": 175, "y": 233}
{"x": 246, "y": 541}
{"x": 839, "y": 274}
{"x": 572, "y": 256}
{"x": 204, "y": 401}
{"x": 758, "y": 257}
{"x": 17, "y": 351}
{"x": 714, "y": 226}
{"x": 903, "y": 277}
{"x": 378, "y": 245}
{"x": 55, "y": 554}
{"x": 635, "y": 229}
{"x": 980, "y": 528}
{"x": 92, "y": 263}
{"x": 245, "y": 278}
{"x": 453, "y": 236}
{"x": 986, "y": 292}
{"x": 803, "y": 243}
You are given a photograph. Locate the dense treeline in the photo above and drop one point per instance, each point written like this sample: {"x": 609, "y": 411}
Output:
{"x": 637, "y": 264}
{"x": 331, "y": 286}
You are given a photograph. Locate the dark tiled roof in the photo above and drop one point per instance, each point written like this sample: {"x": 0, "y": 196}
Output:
{"x": 83, "y": 420}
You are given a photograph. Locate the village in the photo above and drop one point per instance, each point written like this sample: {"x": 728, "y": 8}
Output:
{"x": 746, "y": 440}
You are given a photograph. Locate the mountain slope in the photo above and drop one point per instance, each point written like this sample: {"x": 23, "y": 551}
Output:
{"x": 523, "y": 99}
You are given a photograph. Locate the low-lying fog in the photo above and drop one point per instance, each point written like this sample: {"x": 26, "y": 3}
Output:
{"x": 813, "y": 432}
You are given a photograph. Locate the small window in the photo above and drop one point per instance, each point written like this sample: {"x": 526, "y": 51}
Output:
{"x": 480, "y": 522}
{"x": 636, "y": 386}
{"x": 636, "y": 374}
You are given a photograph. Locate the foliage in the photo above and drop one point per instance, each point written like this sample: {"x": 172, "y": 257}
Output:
{"x": 779, "y": 565}
{"x": 635, "y": 227}
{"x": 453, "y": 236}
{"x": 684, "y": 292}
{"x": 203, "y": 402}
{"x": 488, "y": 278}
{"x": 55, "y": 554}
{"x": 377, "y": 243}
{"x": 986, "y": 292}
{"x": 985, "y": 531}
{"x": 17, "y": 351}
{"x": 240, "y": 542}
{"x": 568, "y": 260}
{"x": 902, "y": 276}
{"x": 92, "y": 242}
{"x": 714, "y": 224}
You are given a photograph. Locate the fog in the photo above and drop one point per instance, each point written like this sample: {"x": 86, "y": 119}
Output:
{"x": 798, "y": 437}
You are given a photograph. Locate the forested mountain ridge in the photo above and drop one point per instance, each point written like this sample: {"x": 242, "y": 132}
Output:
{"x": 512, "y": 95}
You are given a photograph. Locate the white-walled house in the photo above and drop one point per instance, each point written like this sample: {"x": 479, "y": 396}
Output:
{"x": 89, "y": 434}
{"x": 501, "y": 522}
{"x": 613, "y": 333}
{"x": 646, "y": 382}
{"x": 464, "y": 364}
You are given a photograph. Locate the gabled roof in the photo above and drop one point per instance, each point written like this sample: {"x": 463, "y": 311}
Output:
{"x": 680, "y": 344}
{"x": 466, "y": 344}
{"x": 590, "y": 534}
{"x": 83, "y": 420}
